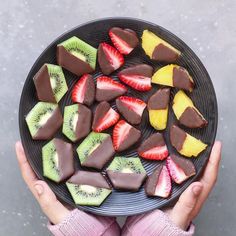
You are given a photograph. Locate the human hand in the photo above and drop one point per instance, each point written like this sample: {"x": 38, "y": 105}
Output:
{"x": 193, "y": 198}
{"x": 52, "y": 208}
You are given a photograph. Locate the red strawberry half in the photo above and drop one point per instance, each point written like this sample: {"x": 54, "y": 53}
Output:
{"x": 180, "y": 168}
{"x": 125, "y": 40}
{"x": 84, "y": 90}
{"x": 104, "y": 117}
{"x": 124, "y": 135}
{"x": 131, "y": 108}
{"x": 108, "y": 89}
{"x": 153, "y": 148}
{"x": 109, "y": 58}
{"x": 137, "y": 77}
{"x": 159, "y": 183}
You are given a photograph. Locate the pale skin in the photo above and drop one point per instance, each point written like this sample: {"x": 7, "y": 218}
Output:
{"x": 184, "y": 211}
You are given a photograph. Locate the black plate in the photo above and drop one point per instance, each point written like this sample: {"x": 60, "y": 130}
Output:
{"x": 125, "y": 203}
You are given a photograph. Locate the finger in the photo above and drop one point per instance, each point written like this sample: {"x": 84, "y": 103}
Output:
{"x": 26, "y": 171}
{"x": 210, "y": 175}
{"x": 182, "y": 210}
{"x": 54, "y": 210}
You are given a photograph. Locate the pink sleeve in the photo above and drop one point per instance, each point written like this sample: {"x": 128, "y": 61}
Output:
{"x": 154, "y": 223}
{"x": 79, "y": 223}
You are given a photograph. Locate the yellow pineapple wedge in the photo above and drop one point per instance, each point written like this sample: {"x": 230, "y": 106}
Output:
{"x": 158, "y": 106}
{"x": 185, "y": 111}
{"x": 184, "y": 143}
{"x": 173, "y": 76}
{"x": 157, "y": 48}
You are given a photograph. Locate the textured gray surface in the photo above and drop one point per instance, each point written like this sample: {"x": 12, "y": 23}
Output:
{"x": 27, "y": 27}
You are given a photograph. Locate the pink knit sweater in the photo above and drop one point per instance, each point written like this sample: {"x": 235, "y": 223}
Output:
{"x": 155, "y": 223}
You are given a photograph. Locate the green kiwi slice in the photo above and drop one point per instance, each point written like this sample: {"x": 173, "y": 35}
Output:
{"x": 57, "y": 157}
{"x": 81, "y": 50}
{"x": 57, "y": 81}
{"x": 127, "y": 165}
{"x": 44, "y": 120}
{"x": 88, "y": 188}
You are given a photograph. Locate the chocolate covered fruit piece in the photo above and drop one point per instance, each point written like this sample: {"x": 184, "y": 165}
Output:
{"x": 158, "y": 49}
{"x": 50, "y": 83}
{"x": 184, "y": 143}
{"x": 84, "y": 90}
{"x": 137, "y": 77}
{"x": 109, "y": 58}
{"x": 131, "y": 108}
{"x": 77, "y": 122}
{"x": 173, "y": 76}
{"x": 104, "y": 117}
{"x": 158, "y": 106}
{"x": 125, "y": 40}
{"x": 126, "y": 173}
{"x": 153, "y": 148}
{"x": 88, "y": 188}
{"x": 124, "y": 136}
{"x": 57, "y": 158}
{"x": 96, "y": 150}
{"x": 76, "y": 56}
{"x": 108, "y": 89}
{"x": 180, "y": 168}
{"x": 159, "y": 183}
{"x": 44, "y": 120}
{"x": 186, "y": 112}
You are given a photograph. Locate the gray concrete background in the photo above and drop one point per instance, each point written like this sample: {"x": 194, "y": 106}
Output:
{"x": 27, "y": 27}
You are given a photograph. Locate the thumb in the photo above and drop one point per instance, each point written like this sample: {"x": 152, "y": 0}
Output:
{"x": 180, "y": 214}
{"x": 49, "y": 204}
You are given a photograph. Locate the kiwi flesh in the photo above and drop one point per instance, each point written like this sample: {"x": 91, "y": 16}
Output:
{"x": 81, "y": 50}
{"x": 127, "y": 165}
{"x": 50, "y": 162}
{"x": 57, "y": 81}
{"x": 38, "y": 118}
{"x": 87, "y": 194}
{"x": 71, "y": 115}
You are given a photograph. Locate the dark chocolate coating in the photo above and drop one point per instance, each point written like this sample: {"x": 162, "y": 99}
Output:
{"x": 152, "y": 181}
{"x": 101, "y": 110}
{"x": 43, "y": 85}
{"x": 89, "y": 95}
{"x": 131, "y": 116}
{"x": 164, "y": 54}
{"x": 126, "y": 181}
{"x": 108, "y": 95}
{"x": 71, "y": 62}
{"x": 104, "y": 63}
{"x": 140, "y": 69}
{"x": 101, "y": 155}
{"x": 132, "y": 137}
{"x": 159, "y": 100}
{"x": 94, "y": 179}
{"x": 50, "y": 127}
{"x": 155, "y": 140}
{"x": 129, "y": 36}
{"x": 185, "y": 164}
{"x": 83, "y": 126}
{"x": 192, "y": 119}
{"x": 177, "y": 137}
{"x": 181, "y": 79}
{"x": 65, "y": 158}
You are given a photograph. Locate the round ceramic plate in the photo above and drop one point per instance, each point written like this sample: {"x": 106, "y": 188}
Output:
{"x": 119, "y": 202}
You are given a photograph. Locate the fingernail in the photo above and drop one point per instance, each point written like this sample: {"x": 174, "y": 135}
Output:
{"x": 39, "y": 189}
{"x": 197, "y": 190}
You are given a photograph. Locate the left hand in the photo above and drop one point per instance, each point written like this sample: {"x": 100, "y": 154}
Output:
{"x": 193, "y": 198}
{"x": 53, "y": 209}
